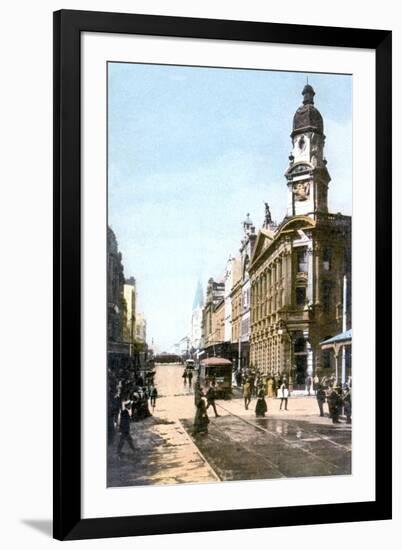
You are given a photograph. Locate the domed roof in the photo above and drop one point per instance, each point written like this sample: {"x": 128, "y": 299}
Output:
{"x": 307, "y": 116}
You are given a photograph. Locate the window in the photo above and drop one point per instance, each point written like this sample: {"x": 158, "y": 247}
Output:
{"x": 302, "y": 260}
{"x": 347, "y": 260}
{"x": 299, "y": 342}
{"x": 300, "y": 295}
{"x": 326, "y": 259}
{"x": 326, "y": 359}
{"x": 326, "y": 295}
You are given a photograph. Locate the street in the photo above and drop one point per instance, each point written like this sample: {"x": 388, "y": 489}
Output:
{"x": 238, "y": 445}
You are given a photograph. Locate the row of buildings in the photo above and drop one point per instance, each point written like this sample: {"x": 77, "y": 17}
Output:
{"x": 126, "y": 326}
{"x": 289, "y": 288}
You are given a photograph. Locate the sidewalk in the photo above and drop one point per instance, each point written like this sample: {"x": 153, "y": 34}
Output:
{"x": 164, "y": 452}
{"x": 300, "y": 407}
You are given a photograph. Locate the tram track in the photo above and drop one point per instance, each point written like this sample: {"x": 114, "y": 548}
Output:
{"x": 278, "y": 436}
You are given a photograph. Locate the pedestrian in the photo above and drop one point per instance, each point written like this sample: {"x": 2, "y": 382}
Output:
{"x": 320, "y": 395}
{"x": 211, "y": 396}
{"x": 308, "y": 385}
{"x": 316, "y": 383}
{"x": 143, "y": 409}
{"x": 190, "y": 377}
{"x": 283, "y": 393}
{"x": 270, "y": 387}
{"x": 135, "y": 403}
{"x": 247, "y": 394}
{"x": 201, "y": 419}
{"x": 347, "y": 404}
{"x": 261, "y": 406}
{"x": 154, "y": 395}
{"x": 252, "y": 385}
{"x": 257, "y": 384}
{"x": 115, "y": 409}
{"x": 198, "y": 394}
{"x": 334, "y": 405}
{"x": 184, "y": 376}
{"x": 125, "y": 435}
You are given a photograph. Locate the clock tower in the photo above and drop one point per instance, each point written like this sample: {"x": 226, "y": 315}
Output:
{"x": 307, "y": 175}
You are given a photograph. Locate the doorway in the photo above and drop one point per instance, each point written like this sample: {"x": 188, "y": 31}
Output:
{"x": 300, "y": 373}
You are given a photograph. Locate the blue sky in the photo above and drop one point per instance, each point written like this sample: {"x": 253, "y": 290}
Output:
{"x": 191, "y": 151}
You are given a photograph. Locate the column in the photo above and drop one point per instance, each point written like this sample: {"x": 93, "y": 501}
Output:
{"x": 309, "y": 293}
{"x": 310, "y": 369}
{"x": 288, "y": 277}
{"x": 316, "y": 274}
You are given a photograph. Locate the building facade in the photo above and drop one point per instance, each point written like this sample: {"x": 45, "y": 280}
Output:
{"x": 129, "y": 292}
{"x": 213, "y": 317}
{"x": 115, "y": 289}
{"x": 229, "y": 275}
{"x": 246, "y": 252}
{"x": 299, "y": 269}
{"x": 117, "y": 348}
{"x": 141, "y": 329}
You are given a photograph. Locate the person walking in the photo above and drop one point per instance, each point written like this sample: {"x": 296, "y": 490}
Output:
{"x": 270, "y": 387}
{"x": 284, "y": 395}
{"x": 201, "y": 419}
{"x": 316, "y": 383}
{"x": 190, "y": 377}
{"x": 347, "y": 404}
{"x": 184, "y": 376}
{"x": 197, "y": 392}
{"x": 247, "y": 394}
{"x": 115, "y": 409}
{"x": 154, "y": 395}
{"x": 125, "y": 435}
{"x": 261, "y": 406}
{"x": 320, "y": 395}
{"x": 334, "y": 405}
{"x": 211, "y": 396}
{"x": 308, "y": 383}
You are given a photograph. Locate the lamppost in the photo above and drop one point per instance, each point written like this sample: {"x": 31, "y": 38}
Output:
{"x": 283, "y": 326}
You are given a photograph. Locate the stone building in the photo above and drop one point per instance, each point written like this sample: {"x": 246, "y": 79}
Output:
{"x": 115, "y": 289}
{"x": 229, "y": 275}
{"x": 298, "y": 269}
{"x": 129, "y": 292}
{"x": 241, "y": 296}
{"x": 213, "y": 318}
{"x": 118, "y": 349}
{"x": 235, "y": 296}
{"x": 141, "y": 329}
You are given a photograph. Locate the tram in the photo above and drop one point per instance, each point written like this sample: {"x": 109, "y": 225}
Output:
{"x": 219, "y": 371}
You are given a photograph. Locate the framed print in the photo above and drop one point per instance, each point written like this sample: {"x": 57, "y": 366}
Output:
{"x": 222, "y": 209}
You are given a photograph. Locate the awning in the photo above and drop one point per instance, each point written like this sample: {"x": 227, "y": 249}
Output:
{"x": 216, "y": 361}
{"x": 341, "y": 339}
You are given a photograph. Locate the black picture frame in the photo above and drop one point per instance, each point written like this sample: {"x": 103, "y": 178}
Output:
{"x": 68, "y": 26}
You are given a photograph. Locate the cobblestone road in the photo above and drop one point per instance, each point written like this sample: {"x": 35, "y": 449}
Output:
{"x": 238, "y": 446}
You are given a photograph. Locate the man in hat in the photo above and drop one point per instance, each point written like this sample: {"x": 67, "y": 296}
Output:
{"x": 211, "y": 396}
{"x": 320, "y": 395}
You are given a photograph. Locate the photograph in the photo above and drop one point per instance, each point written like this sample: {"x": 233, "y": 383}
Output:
{"x": 229, "y": 274}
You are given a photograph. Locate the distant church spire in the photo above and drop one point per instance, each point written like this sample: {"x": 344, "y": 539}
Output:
{"x": 198, "y": 297}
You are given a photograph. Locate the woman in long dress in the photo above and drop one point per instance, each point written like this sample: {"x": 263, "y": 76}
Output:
{"x": 261, "y": 406}
{"x": 270, "y": 387}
